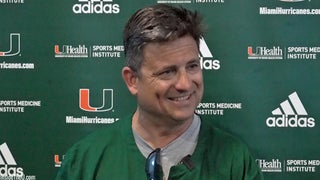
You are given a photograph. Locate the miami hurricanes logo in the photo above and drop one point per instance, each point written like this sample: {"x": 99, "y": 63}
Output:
{"x": 57, "y": 160}
{"x": 107, "y": 101}
{"x": 14, "y": 46}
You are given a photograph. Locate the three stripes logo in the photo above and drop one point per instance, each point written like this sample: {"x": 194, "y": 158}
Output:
{"x": 8, "y": 164}
{"x": 6, "y": 157}
{"x": 206, "y": 58}
{"x": 291, "y": 113}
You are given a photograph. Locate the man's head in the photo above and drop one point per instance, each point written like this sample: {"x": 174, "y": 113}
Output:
{"x": 163, "y": 70}
{"x": 158, "y": 23}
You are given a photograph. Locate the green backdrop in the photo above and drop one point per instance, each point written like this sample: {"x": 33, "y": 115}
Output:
{"x": 60, "y": 65}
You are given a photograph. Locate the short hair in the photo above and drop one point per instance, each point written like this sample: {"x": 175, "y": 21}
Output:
{"x": 158, "y": 23}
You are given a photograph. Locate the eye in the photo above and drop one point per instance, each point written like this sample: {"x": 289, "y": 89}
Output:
{"x": 193, "y": 67}
{"x": 166, "y": 73}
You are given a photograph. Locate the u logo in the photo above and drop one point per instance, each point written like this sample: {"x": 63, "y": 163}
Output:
{"x": 107, "y": 101}
{"x": 14, "y": 45}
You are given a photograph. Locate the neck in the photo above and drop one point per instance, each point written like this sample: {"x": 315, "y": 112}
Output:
{"x": 158, "y": 132}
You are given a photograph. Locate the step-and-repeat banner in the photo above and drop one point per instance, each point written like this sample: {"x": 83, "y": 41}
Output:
{"x": 60, "y": 78}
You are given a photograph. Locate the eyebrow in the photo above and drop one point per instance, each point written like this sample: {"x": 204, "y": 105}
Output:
{"x": 163, "y": 69}
{"x": 193, "y": 60}
{"x": 173, "y": 66}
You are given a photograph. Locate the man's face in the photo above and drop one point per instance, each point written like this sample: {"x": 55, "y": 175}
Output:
{"x": 170, "y": 83}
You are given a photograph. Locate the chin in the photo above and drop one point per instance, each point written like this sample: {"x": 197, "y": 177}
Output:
{"x": 183, "y": 117}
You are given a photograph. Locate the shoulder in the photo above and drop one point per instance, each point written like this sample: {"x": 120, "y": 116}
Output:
{"x": 100, "y": 138}
{"x": 85, "y": 155}
{"x": 221, "y": 139}
{"x": 231, "y": 152}
{"x": 98, "y": 142}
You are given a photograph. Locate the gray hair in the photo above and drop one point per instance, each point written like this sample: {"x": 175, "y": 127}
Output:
{"x": 158, "y": 23}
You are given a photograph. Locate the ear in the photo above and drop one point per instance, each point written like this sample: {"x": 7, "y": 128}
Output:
{"x": 131, "y": 79}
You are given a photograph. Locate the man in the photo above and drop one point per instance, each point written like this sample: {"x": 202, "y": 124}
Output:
{"x": 163, "y": 138}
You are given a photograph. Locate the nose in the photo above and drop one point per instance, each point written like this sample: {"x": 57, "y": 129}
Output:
{"x": 183, "y": 81}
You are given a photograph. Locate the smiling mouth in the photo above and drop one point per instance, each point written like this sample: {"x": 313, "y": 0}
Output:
{"x": 181, "y": 98}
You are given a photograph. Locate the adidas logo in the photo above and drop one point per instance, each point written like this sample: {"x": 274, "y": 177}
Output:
{"x": 206, "y": 59}
{"x": 6, "y": 163}
{"x": 7, "y": 156}
{"x": 291, "y": 113}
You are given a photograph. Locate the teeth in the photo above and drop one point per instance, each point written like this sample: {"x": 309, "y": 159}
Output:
{"x": 181, "y": 98}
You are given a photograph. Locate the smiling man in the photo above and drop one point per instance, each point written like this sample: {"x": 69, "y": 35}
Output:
{"x": 164, "y": 138}
{"x": 168, "y": 87}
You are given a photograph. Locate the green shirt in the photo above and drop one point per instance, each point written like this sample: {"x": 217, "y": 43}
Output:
{"x": 111, "y": 153}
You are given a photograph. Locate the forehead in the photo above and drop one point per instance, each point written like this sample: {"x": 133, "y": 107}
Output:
{"x": 181, "y": 49}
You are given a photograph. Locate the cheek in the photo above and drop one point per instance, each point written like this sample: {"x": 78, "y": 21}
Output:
{"x": 160, "y": 89}
{"x": 199, "y": 80}
{"x": 200, "y": 85}
{"x": 150, "y": 89}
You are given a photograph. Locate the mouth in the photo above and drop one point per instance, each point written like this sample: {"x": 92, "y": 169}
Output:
{"x": 180, "y": 98}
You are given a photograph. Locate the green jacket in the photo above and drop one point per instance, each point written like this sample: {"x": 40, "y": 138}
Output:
{"x": 111, "y": 153}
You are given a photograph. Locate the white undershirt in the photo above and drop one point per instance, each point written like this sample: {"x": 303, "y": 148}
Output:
{"x": 172, "y": 154}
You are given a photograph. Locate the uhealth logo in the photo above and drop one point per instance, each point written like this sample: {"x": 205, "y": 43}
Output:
{"x": 107, "y": 101}
{"x": 96, "y": 7}
{"x": 8, "y": 164}
{"x": 265, "y": 53}
{"x": 269, "y": 166}
{"x": 291, "y": 113}
{"x": 80, "y": 51}
{"x": 58, "y": 160}
{"x": 14, "y": 48}
{"x": 206, "y": 58}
